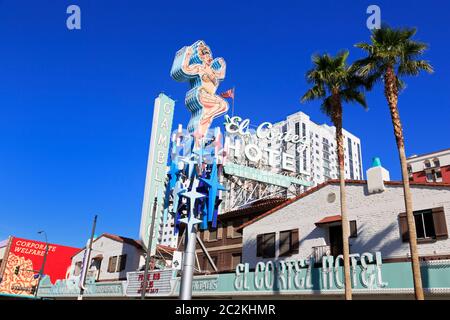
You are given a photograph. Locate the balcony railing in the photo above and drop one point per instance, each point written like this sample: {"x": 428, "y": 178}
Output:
{"x": 320, "y": 251}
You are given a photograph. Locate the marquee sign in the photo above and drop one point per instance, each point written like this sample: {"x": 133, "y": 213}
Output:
{"x": 158, "y": 283}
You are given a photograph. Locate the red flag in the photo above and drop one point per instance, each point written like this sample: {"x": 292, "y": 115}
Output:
{"x": 228, "y": 94}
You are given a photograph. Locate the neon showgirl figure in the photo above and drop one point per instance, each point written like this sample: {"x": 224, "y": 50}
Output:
{"x": 195, "y": 64}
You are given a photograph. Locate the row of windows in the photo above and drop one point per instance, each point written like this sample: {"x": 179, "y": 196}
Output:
{"x": 434, "y": 163}
{"x": 233, "y": 258}
{"x": 231, "y": 232}
{"x": 430, "y": 225}
{"x": 115, "y": 264}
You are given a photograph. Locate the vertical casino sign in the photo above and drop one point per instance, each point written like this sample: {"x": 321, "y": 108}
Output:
{"x": 22, "y": 261}
{"x": 155, "y": 188}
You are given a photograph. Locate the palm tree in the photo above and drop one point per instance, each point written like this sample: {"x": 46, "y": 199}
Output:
{"x": 334, "y": 82}
{"x": 391, "y": 55}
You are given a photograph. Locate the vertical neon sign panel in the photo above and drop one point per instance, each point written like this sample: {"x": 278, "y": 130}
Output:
{"x": 154, "y": 191}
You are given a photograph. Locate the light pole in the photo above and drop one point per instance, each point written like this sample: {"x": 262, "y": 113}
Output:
{"x": 41, "y": 271}
{"x": 86, "y": 260}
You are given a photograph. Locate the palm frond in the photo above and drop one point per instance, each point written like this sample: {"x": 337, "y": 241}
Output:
{"x": 391, "y": 48}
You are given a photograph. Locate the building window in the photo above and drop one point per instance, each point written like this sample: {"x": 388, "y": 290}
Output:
{"x": 350, "y": 156}
{"x": 78, "y": 267}
{"x": 234, "y": 233}
{"x": 409, "y": 169}
{"x": 207, "y": 265}
{"x": 112, "y": 264}
{"x": 96, "y": 263}
{"x": 436, "y": 162}
{"x": 265, "y": 245}
{"x": 117, "y": 263}
{"x": 122, "y": 262}
{"x": 288, "y": 242}
{"x": 359, "y": 160}
{"x": 353, "y": 229}
{"x": 424, "y": 224}
{"x": 434, "y": 176}
{"x": 430, "y": 225}
{"x": 236, "y": 258}
{"x": 212, "y": 235}
{"x": 304, "y": 160}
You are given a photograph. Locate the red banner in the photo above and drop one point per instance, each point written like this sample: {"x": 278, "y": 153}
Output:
{"x": 24, "y": 261}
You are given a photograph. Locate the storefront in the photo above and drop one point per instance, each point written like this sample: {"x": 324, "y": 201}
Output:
{"x": 290, "y": 279}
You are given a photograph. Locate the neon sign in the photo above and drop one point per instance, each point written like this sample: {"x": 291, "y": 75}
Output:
{"x": 298, "y": 274}
{"x": 195, "y": 64}
{"x": 265, "y": 135}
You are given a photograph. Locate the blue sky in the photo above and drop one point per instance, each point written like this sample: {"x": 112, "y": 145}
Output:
{"x": 76, "y": 106}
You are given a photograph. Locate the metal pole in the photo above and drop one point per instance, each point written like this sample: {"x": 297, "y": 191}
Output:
{"x": 232, "y": 108}
{"x": 188, "y": 263}
{"x": 41, "y": 271}
{"x": 149, "y": 247}
{"x": 87, "y": 262}
{"x": 205, "y": 251}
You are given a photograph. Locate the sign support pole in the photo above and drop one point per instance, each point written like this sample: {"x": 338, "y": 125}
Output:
{"x": 188, "y": 263}
{"x": 149, "y": 248}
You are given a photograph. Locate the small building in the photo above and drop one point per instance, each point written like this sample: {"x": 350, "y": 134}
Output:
{"x": 112, "y": 256}
{"x": 430, "y": 167}
{"x": 310, "y": 224}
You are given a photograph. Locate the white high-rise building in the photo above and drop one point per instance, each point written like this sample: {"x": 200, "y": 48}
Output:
{"x": 318, "y": 161}
{"x": 166, "y": 235}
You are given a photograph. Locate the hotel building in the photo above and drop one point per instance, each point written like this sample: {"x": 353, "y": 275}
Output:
{"x": 430, "y": 167}
{"x": 318, "y": 162}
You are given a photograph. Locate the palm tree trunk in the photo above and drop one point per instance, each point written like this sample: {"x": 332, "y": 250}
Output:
{"x": 391, "y": 93}
{"x": 337, "y": 121}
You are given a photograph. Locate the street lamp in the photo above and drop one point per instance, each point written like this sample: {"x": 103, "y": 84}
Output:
{"x": 41, "y": 271}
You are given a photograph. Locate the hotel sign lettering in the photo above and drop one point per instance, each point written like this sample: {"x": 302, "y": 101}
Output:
{"x": 300, "y": 274}
{"x": 266, "y": 136}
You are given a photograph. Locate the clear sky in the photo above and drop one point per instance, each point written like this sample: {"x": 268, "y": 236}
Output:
{"x": 76, "y": 106}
